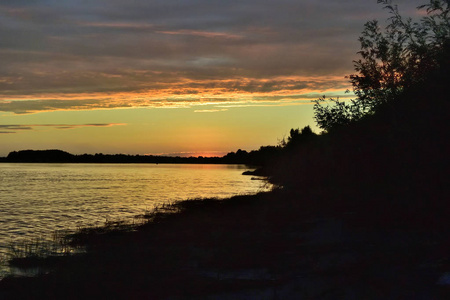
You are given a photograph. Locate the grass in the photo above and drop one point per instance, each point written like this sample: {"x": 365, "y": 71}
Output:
{"x": 34, "y": 253}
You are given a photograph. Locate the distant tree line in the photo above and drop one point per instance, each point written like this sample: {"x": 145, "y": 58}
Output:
{"x": 257, "y": 157}
{"x": 59, "y": 156}
{"x": 261, "y": 157}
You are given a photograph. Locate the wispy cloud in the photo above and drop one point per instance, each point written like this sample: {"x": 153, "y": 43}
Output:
{"x": 205, "y": 34}
{"x": 116, "y": 25}
{"x": 209, "y": 110}
{"x": 5, "y": 129}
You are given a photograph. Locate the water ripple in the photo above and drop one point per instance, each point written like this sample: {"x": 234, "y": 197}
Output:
{"x": 37, "y": 199}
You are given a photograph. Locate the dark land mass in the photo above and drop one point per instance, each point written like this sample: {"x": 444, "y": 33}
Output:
{"x": 255, "y": 157}
{"x": 361, "y": 212}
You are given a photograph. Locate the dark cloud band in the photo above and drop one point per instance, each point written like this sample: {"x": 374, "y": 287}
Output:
{"x": 5, "y": 129}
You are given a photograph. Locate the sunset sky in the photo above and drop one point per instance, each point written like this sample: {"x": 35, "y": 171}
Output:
{"x": 172, "y": 77}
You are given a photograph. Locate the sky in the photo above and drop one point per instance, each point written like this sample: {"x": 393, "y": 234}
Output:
{"x": 172, "y": 77}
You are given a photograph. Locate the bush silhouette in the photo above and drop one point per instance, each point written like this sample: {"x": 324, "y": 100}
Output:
{"x": 398, "y": 58}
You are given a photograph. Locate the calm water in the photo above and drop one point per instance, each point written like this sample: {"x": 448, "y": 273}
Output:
{"x": 37, "y": 199}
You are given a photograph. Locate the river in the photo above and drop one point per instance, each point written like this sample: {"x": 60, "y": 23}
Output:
{"x": 38, "y": 199}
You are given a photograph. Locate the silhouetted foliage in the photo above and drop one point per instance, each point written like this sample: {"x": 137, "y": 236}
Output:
{"x": 391, "y": 139}
{"x": 260, "y": 157}
{"x": 391, "y": 61}
{"x": 238, "y": 157}
{"x": 264, "y": 155}
{"x": 298, "y": 137}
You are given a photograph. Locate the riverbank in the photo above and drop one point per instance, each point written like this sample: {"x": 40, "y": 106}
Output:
{"x": 274, "y": 245}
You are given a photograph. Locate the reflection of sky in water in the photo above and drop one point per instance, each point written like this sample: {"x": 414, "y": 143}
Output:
{"x": 37, "y": 199}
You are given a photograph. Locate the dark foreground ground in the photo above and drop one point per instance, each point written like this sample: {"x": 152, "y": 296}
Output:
{"x": 276, "y": 245}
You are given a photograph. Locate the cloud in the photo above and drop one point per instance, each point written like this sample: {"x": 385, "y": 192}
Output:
{"x": 15, "y": 127}
{"x": 186, "y": 93}
{"x": 246, "y": 91}
{"x": 174, "y": 48}
{"x": 209, "y": 110}
{"x": 116, "y": 25}
{"x": 205, "y": 34}
{"x": 5, "y": 129}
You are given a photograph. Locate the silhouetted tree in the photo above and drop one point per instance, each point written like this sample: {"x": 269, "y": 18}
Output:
{"x": 238, "y": 157}
{"x": 297, "y": 137}
{"x": 398, "y": 58}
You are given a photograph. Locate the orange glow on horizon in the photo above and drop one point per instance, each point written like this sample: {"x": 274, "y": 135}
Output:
{"x": 192, "y": 154}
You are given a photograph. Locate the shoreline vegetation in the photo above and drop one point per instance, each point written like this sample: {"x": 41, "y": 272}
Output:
{"x": 360, "y": 212}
